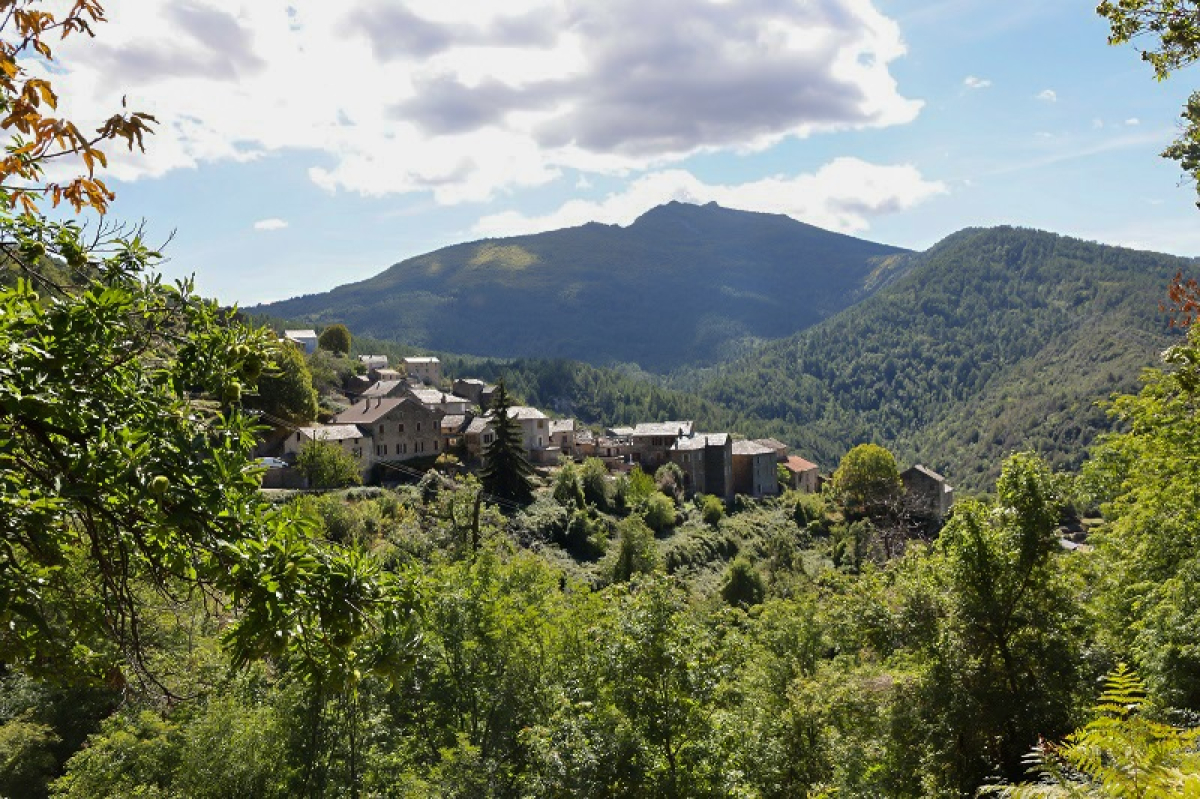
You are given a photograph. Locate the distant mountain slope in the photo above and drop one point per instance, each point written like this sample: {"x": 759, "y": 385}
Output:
{"x": 682, "y": 284}
{"x": 994, "y": 340}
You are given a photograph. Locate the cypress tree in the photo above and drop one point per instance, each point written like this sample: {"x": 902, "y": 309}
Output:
{"x": 506, "y": 471}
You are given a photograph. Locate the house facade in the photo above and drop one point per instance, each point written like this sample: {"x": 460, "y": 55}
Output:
{"x": 803, "y": 475}
{"x": 652, "y": 443}
{"x": 401, "y": 428}
{"x": 707, "y": 463}
{"x": 754, "y": 471}
{"x": 426, "y": 369}
{"x": 926, "y": 492}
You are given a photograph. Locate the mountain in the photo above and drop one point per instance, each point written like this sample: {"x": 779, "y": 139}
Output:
{"x": 994, "y": 340}
{"x": 683, "y": 284}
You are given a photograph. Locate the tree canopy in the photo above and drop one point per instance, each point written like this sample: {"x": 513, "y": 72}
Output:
{"x": 506, "y": 470}
{"x": 335, "y": 338}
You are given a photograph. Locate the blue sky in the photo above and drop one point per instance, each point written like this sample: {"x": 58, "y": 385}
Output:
{"x": 308, "y": 144}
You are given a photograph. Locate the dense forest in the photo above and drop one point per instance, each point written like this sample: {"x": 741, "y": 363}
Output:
{"x": 996, "y": 340}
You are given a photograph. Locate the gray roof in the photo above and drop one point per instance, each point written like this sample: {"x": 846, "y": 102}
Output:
{"x": 299, "y": 334}
{"x": 368, "y": 411}
{"x": 621, "y": 432}
{"x": 331, "y": 432}
{"x": 422, "y": 359}
{"x": 700, "y": 441}
{"x": 925, "y": 470}
{"x": 382, "y": 388}
{"x": 453, "y": 421}
{"x": 471, "y": 381}
{"x": 752, "y": 448}
{"x": 663, "y": 428}
{"x": 562, "y": 426}
{"x": 525, "y": 412}
{"x": 431, "y": 396}
{"x": 773, "y": 443}
{"x": 478, "y": 425}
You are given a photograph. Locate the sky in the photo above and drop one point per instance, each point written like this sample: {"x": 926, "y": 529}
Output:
{"x": 307, "y": 144}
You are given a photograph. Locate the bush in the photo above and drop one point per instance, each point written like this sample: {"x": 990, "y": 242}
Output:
{"x": 743, "y": 585}
{"x": 593, "y": 476}
{"x": 636, "y": 552}
{"x": 712, "y": 510}
{"x": 659, "y": 512}
{"x": 327, "y": 465}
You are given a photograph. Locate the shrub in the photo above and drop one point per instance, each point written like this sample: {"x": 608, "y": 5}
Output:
{"x": 659, "y": 512}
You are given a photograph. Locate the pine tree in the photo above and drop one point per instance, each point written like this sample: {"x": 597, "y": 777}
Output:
{"x": 506, "y": 471}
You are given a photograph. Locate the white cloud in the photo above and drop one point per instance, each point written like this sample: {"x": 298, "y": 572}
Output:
{"x": 1048, "y": 95}
{"x": 274, "y": 223}
{"x": 1097, "y": 123}
{"x": 472, "y": 98}
{"x": 972, "y": 82}
{"x": 1133, "y": 121}
{"x": 842, "y": 195}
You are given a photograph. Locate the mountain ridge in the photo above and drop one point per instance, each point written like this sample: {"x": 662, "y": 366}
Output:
{"x": 681, "y": 284}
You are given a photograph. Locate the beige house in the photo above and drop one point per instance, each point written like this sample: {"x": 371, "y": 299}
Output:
{"x": 401, "y": 428}
{"x": 562, "y": 436}
{"x": 754, "y": 469}
{"x": 477, "y": 391}
{"x": 652, "y": 442}
{"x": 707, "y": 463}
{"x": 426, "y": 369}
{"x": 535, "y": 434}
{"x": 348, "y": 437}
{"x": 804, "y": 475}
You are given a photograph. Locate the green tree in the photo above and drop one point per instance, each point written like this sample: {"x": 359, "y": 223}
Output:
{"x": 635, "y": 552}
{"x": 327, "y": 465}
{"x": 567, "y": 490}
{"x": 743, "y": 585}
{"x": 593, "y": 477}
{"x": 285, "y": 391}
{"x": 1144, "y": 479}
{"x": 336, "y": 339}
{"x": 867, "y": 481}
{"x": 659, "y": 512}
{"x": 1005, "y": 666}
{"x": 506, "y": 471}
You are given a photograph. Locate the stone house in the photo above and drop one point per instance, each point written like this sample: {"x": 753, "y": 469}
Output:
{"x": 707, "y": 463}
{"x": 401, "y": 428}
{"x": 754, "y": 469}
{"x": 926, "y": 492}
{"x": 477, "y": 391}
{"x": 608, "y": 448}
{"x": 426, "y": 369}
{"x": 348, "y": 437}
{"x": 535, "y": 434}
{"x": 652, "y": 442}
{"x": 804, "y": 475}
{"x": 439, "y": 400}
{"x": 562, "y": 436}
{"x": 373, "y": 362}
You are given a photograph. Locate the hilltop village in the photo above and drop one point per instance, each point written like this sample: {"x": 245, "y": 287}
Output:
{"x": 404, "y": 418}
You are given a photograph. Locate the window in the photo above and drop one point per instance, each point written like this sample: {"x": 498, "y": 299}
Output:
{"x": 402, "y": 427}
{"x": 418, "y": 427}
{"x": 381, "y": 428}
{"x": 435, "y": 446}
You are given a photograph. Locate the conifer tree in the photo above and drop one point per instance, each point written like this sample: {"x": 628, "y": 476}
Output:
{"x": 506, "y": 471}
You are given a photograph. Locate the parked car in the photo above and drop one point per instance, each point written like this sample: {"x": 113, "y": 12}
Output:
{"x": 273, "y": 463}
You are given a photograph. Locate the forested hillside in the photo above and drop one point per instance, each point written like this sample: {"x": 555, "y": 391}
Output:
{"x": 996, "y": 340}
{"x": 682, "y": 284}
